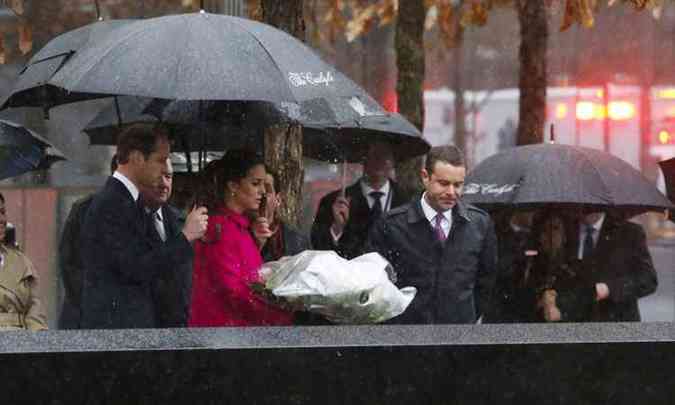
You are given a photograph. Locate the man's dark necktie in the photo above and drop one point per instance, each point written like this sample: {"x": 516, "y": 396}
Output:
{"x": 376, "y": 210}
{"x": 588, "y": 242}
{"x": 438, "y": 228}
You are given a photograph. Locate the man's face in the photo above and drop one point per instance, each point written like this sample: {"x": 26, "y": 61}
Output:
{"x": 379, "y": 161}
{"x": 3, "y": 221}
{"x": 161, "y": 192}
{"x": 443, "y": 185}
{"x": 150, "y": 170}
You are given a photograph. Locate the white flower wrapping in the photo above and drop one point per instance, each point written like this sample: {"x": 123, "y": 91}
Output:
{"x": 357, "y": 291}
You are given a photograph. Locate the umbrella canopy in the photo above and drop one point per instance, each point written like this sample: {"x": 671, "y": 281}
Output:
{"x": 668, "y": 168}
{"x": 215, "y": 125}
{"x": 348, "y": 142}
{"x": 203, "y": 56}
{"x": 550, "y": 174}
{"x": 33, "y": 88}
{"x": 194, "y": 125}
{"x": 22, "y": 150}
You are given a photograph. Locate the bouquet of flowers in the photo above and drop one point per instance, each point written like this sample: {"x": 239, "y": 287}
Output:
{"x": 357, "y": 291}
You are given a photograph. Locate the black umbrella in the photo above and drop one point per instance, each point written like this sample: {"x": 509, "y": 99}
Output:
{"x": 214, "y": 125}
{"x": 549, "y": 174}
{"x": 33, "y": 88}
{"x": 205, "y": 56}
{"x": 22, "y": 151}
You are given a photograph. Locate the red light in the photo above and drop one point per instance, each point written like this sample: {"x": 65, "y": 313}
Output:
{"x": 620, "y": 110}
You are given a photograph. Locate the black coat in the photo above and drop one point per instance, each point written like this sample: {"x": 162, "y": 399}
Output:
{"x": 454, "y": 279}
{"x": 354, "y": 236}
{"x": 621, "y": 260}
{"x": 173, "y": 288}
{"x": 70, "y": 263}
{"x": 294, "y": 242}
{"x": 122, "y": 263}
{"x": 514, "y": 297}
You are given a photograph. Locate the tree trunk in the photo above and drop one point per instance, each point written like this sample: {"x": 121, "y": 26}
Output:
{"x": 410, "y": 84}
{"x": 283, "y": 143}
{"x": 532, "y": 81}
{"x": 458, "y": 89}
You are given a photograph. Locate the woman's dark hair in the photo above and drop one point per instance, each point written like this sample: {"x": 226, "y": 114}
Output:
{"x": 234, "y": 166}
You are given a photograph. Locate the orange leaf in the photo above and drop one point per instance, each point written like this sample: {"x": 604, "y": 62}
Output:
{"x": 25, "y": 37}
{"x": 2, "y": 49}
{"x": 16, "y": 6}
{"x": 475, "y": 15}
{"x": 361, "y": 22}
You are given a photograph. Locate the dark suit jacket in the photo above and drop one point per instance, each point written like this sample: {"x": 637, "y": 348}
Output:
{"x": 454, "y": 279}
{"x": 121, "y": 263}
{"x": 173, "y": 287}
{"x": 353, "y": 238}
{"x": 621, "y": 260}
{"x": 70, "y": 263}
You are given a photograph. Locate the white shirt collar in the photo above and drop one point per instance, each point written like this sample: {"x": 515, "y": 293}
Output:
{"x": 431, "y": 213}
{"x": 133, "y": 190}
{"x": 366, "y": 190}
{"x": 597, "y": 225}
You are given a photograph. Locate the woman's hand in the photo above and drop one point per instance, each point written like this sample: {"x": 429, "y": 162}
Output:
{"x": 548, "y": 304}
{"x": 261, "y": 231}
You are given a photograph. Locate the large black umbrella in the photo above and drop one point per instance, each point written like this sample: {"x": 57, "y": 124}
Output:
{"x": 205, "y": 56}
{"x": 22, "y": 151}
{"x": 33, "y": 88}
{"x": 561, "y": 175}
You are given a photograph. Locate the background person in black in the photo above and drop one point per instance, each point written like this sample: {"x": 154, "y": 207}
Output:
{"x": 121, "y": 264}
{"x": 70, "y": 260}
{"x": 172, "y": 289}
{"x": 342, "y": 222}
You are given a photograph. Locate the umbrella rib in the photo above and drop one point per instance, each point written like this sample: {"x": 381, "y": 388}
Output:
{"x": 269, "y": 55}
{"x": 597, "y": 172}
{"x": 110, "y": 49}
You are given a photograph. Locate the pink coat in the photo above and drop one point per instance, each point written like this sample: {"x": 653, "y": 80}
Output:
{"x": 224, "y": 267}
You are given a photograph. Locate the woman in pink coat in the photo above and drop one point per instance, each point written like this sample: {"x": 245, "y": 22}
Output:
{"x": 227, "y": 259}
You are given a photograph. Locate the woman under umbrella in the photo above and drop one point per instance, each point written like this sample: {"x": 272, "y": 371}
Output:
{"x": 227, "y": 259}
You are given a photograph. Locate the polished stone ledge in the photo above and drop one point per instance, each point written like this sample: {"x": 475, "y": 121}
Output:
{"x": 332, "y": 336}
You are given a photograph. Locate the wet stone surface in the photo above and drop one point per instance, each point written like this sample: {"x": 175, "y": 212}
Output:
{"x": 565, "y": 363}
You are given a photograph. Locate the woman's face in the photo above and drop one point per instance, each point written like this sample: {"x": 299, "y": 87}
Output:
{"x": 552, "y": 237}
{"x": 247, "y": 193}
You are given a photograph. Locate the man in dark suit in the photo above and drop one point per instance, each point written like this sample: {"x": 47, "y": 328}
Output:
{"x": 443, "y": 247}
{"x": 172, "y": 289}
{"x": 342, "y": 222}
{"x": 616, "y": 261}
{"x": 70, "y": 260}
{"x": 121, "y": 263}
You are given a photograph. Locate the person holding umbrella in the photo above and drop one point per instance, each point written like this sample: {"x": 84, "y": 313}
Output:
{"x": 438, "y": 244}
{"x": 613, "y": 269}
{"x": 344, "y": 217}
{"x": 20, "y": 306}
{"x": 121, "y": 264}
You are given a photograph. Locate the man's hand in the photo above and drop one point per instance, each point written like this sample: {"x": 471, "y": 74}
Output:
{"x": 340, "y": 214}
{"x": 195, "y": 223}
{"x": 261, "y": 231}
{"x": 601, "y": 291}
